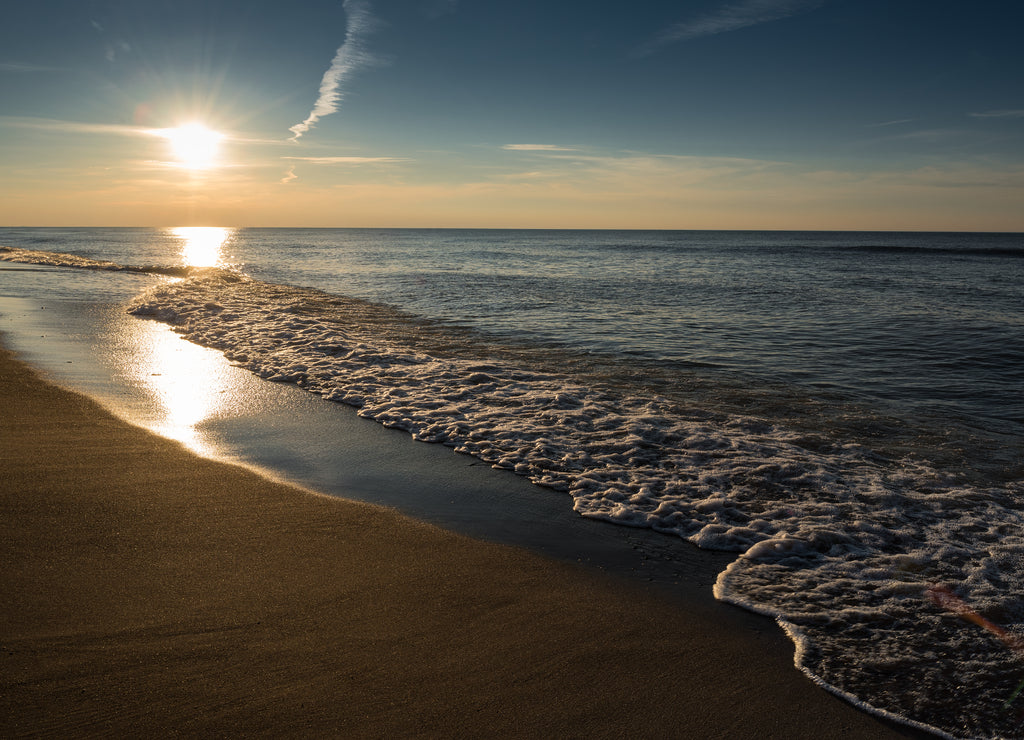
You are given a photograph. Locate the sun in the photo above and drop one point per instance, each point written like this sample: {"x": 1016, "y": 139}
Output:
{"x": 194, "y": 145}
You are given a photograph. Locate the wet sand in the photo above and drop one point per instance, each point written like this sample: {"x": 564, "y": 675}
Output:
{"x": 148, "y": 591}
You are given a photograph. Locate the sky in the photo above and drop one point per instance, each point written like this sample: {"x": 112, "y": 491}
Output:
{"x": 691, "y": 114}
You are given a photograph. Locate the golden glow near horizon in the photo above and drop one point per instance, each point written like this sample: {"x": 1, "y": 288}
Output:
{"x": 311, "y": 128}
{"x": 202, "y": 246}
{"x": 194, "y": 145}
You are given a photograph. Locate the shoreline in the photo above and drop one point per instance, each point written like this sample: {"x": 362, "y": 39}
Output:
{"x": 152, "y": 590}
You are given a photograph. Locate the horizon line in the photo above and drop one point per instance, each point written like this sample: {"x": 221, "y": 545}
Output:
{"x": 537, "y": 228}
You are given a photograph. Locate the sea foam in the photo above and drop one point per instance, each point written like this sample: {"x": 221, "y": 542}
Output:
{"x": 839, "y": 543}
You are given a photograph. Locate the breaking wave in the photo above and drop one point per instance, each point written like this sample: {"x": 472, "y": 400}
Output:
{"x": 843, "y": 545}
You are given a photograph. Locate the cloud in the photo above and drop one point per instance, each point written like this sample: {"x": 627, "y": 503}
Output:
{"x": 642, "y": 171}
{"x": 730, "y": 17}
{"x": 46, "y": 124}
{"x": 351, "y": 55}
{"x": 112, "y": 48}
{"x": 931, "y": 135}
{"x": 344, "y": 161}
{"x": 107, "y": 129}
{"x": 349, "y": 160}
{"x": 538, "y": 148}
{"x": 999, "y": 114}
{"x": 638, "y": 172}
{"x": 897, "y": 122}
{"x": 26, "y": 67}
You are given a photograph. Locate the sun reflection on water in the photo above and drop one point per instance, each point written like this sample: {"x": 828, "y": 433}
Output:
{"x": 187, "y": 384}
{"x": 202, "y": 246}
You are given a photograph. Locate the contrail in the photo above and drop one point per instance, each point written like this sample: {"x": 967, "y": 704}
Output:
{"x": 350, "y": 56}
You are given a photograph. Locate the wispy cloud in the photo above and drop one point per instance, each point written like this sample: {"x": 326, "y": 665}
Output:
{"x": 112, "y": 47}
{"x": 349, "y": 160}
{"x": 110, "y": 129}
{"x": 730, "y": 17}
{"x": 26, "y": 67}
{"x": 931, "y": 135}
{"x": 46, "y": 124}
{"x": 351, "y": 55}
{"x": 538, "y": 148}
{"x": 884, "y": 124}
{"x": 641, "y": 172}
{"x": 291, "y": 175}
{"x": 999, "y": 114}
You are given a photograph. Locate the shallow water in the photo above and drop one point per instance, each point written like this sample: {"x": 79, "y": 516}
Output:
{"x": 842, "y": 409}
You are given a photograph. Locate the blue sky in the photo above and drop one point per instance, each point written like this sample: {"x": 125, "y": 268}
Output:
{"x": 705, "y": 114}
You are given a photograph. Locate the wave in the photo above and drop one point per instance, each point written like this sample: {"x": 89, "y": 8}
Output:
{"x": 839, "y": 543}
{"x": 1010, "y": 252}
{"x": 60, "y": 259}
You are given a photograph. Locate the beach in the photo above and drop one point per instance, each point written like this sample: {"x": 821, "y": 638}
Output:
{"x": 481, "y": 369}
{"x": 149, "y": 590}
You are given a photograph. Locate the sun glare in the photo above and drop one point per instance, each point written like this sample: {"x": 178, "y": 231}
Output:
{"x": 202, "y": 246}
{"x": 194, "y": 145}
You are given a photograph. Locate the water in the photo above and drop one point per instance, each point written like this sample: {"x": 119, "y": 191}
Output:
{"x": 842, "y": 409}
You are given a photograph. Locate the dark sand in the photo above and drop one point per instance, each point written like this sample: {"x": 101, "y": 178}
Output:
{"x": 151, "y": 592}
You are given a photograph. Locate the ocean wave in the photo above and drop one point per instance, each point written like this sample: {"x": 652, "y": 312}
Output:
{"x": 840, "y": 543}
{"x": 59, "y": 259}
{"x": 972, "y": 251}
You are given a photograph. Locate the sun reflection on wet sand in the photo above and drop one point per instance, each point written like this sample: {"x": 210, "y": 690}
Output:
{"x": 202, "y": 246}
{"x": 187, "y": 382}
{"x": 140, "y": 370}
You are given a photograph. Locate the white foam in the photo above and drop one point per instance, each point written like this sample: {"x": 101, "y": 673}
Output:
{"x": 55, "y": 259}
{"x": 838, "y": 545}
{"x": 60, "y": 259}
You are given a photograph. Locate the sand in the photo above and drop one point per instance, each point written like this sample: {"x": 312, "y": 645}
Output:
{"x": 148, "y": 591}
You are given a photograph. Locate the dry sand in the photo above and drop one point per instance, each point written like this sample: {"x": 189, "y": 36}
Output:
{"x": 148, "y": 591}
